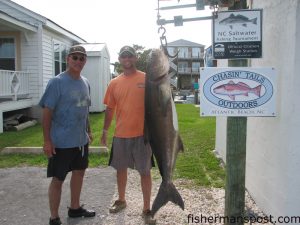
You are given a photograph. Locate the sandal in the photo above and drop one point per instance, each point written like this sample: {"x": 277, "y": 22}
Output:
{"x": 117, "y": 206}
{"x": 148, "y": 217}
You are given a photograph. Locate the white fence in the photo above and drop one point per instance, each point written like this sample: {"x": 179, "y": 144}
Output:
{"x": 13, "y": 84}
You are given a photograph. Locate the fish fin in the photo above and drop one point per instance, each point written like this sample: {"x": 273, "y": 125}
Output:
{"x": 164, "y": 98}
{"x": 232, "y": 97}
{"x": 243, "y": 84}
{"x": 241, "y": 17}
{"x": 180, "y": 144}
{"x": 167, "y": 192}
{"x": 257, "y": 90}
{"x": 230, "y": 82}
{"x": 174, "y": 116}
{"x": 254, "y": 21}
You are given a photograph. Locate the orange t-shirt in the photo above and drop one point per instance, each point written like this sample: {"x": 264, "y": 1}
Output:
{"x": 125, "y": 94}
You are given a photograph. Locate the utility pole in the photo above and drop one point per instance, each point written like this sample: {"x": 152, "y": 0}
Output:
{"x": 236, "y": 155}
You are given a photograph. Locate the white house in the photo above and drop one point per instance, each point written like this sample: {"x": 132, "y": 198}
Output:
{"x": 97, "y": 70}
{"x": 32, "y": 50}
{"x": 273, "y": 156}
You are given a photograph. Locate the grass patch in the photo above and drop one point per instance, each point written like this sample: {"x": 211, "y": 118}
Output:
{"x": 33, "y": 136}
{"x": 196, "y": 163}
{"x": 40, "y": 160}
{"x": 19, "y": 160}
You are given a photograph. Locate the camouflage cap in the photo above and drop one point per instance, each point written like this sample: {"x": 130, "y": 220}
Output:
{"x": 77, "y": 49}
{"x": 127, "y": 49}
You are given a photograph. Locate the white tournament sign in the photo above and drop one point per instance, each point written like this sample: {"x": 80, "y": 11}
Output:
{"x": 237, "y": 34}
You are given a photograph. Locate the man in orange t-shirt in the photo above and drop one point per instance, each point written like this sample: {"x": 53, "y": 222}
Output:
{"x": 125, "y": 96}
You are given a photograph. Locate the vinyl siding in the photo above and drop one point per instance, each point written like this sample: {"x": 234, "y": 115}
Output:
{"x": 30, "y": 60}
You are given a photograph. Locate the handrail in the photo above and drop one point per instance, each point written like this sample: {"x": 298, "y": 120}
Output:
{"x": 13, "y": 83}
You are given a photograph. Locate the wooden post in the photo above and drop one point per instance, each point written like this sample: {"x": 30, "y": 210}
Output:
{"x": 236, "y": 157}
{"x": 235, "y": 169}
{"x": 1, "y": 122}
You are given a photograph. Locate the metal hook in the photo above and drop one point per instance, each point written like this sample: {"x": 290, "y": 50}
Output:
{"x": 164, "y": 43}
{"x": 165, "y": 47}
{"x": 172, "y": 56}
{"x": 164, "y": 30}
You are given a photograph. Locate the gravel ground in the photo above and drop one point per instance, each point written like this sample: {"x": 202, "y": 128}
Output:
{"x": 23, "y": 199}
{"x": 198, "y": 201}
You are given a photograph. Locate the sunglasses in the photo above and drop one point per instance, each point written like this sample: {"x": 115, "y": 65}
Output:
{"x": 80, "y": 58}
{"x": 126, "y": 55}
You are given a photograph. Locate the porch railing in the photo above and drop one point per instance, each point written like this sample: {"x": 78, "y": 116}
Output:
{"x": 14, "y": 84}
{"x": 188, "y": 70}
{"x": 184, "y": 55}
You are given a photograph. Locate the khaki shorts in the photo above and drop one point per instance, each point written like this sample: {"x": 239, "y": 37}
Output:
{"x": 131, "y": 153}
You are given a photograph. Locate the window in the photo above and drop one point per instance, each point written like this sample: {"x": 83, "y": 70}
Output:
{"x": 7, "y": 54}
{"x": 196, "y": 66}
{"x": 196, "y": 52}
{"x": 182, "y": 67}
{"x": 171, "y": 51}
{"x": 60, "y": 53}
{"x": 183, "y": 52}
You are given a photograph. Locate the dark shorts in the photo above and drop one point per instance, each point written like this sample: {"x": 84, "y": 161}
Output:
{"x": 131, "y": 153}
{"x": 66, "y": 160}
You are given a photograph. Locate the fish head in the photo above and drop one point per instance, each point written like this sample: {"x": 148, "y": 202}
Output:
{"x": 157, "y": 64}
{"x": 227, "y": 20}
{"x": 220, "y": 89}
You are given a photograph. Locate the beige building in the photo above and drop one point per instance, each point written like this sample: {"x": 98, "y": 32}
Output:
{"x": 189, "y": 61}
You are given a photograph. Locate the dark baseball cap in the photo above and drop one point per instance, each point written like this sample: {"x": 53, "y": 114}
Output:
{"x": 127, "y": 49}
{"x": 77, "y": 49}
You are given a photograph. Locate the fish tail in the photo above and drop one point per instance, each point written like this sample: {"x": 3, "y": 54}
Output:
{"x": 254, "y": 21}
{"x": 256, "y": 90}
{"x": 167, "y": 192}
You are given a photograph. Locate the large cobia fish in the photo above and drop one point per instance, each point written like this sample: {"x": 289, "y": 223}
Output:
{"x": 161, "y": 126}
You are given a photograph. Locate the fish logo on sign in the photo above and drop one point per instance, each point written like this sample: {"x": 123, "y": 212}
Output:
{"x": 238, "y": 89}
{"x": 237, "y": 20}
{"x": 231, "y": 89}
